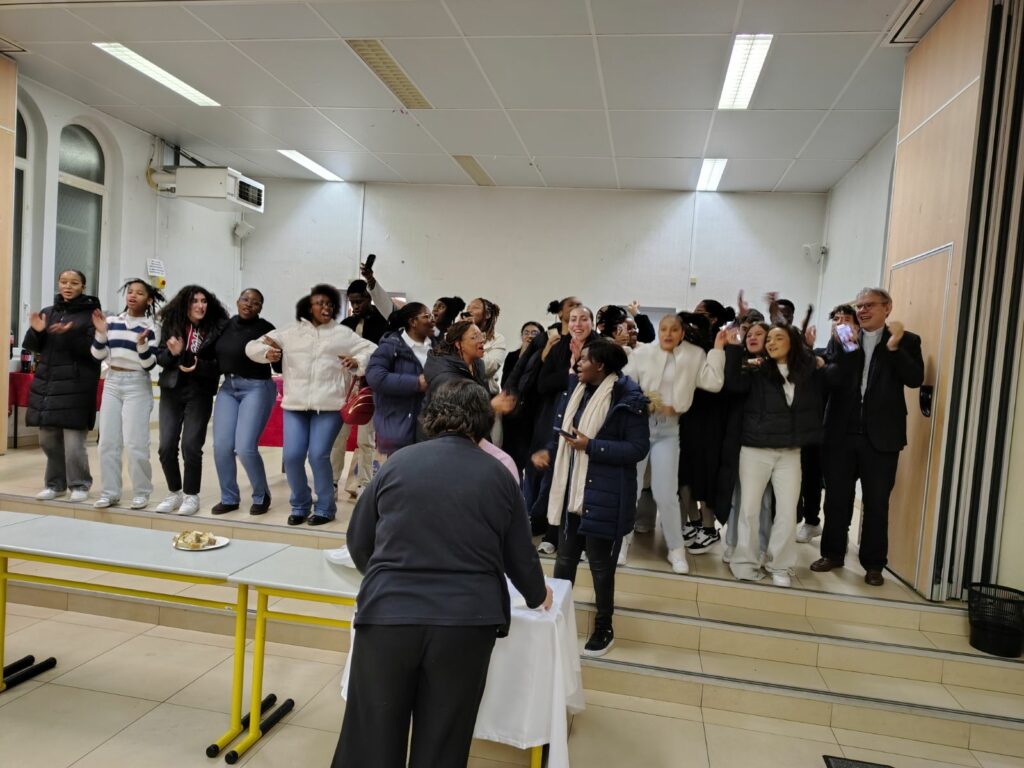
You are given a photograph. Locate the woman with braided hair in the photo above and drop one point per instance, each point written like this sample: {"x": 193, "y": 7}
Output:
{"x": 485, "y": 314}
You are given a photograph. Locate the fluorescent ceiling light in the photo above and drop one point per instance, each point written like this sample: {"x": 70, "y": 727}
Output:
{"x": 309, "y": 165}
{"x": 710, "y": 175}
{"x": 162, "y": 76}
{"x": 748, "y": 55}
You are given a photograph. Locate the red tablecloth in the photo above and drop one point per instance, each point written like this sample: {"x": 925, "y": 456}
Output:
{"x": 273, "y": 433}
{"x": 19, "y": 385}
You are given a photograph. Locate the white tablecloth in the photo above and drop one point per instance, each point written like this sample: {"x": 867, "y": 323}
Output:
{"x": 534, "y": 678}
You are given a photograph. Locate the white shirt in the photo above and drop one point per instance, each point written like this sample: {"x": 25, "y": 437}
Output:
{"x": 788, "y": 387}
{"x": 868, "y": 341}
{"x": 419, "y": 348}
{"x": 668, "y": 378}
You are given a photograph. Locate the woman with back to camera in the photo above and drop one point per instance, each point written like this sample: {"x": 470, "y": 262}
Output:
{"x": 128, "y": 342}
{"x": 670, "y": 372}
{"x": 315, "y": 353}
{"x": 431, "y": 604}
{"x": 781, "y": 413}
{"x": 243, "y": 407}
{"x": 602, "y": 434}
{"x": 62, "y": 399}
{"x": 191, "y": 323}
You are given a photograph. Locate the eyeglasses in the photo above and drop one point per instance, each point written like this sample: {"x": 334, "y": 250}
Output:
{"x": 251, "y": 302}
{"x": 867, "y": 305}
{"x": 322, "y": 303}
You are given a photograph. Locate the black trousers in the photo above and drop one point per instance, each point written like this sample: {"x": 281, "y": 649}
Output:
{"x": 808, "y": 508}
{"x": 602, "y": 557}
{"x": 433, "y": 675}
{"x": 844, "y": 464}
{"x": 184, "y": 416}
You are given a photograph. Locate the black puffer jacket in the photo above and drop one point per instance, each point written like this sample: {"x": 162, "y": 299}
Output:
{"x": 63, "y": 392}
{"x": 768, "y": 420}
{"x": 441, "y": 369}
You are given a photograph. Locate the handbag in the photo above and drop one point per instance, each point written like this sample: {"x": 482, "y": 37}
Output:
{"x": 358, "y": 407}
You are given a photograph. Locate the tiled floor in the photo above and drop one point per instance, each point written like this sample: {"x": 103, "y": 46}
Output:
{"x": 127, "y": 694}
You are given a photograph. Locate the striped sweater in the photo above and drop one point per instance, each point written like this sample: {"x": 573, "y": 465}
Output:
{"x": 118, "y": 346}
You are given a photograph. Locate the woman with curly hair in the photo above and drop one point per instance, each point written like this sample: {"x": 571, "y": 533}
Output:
{"x": 128, "y": 342}
{"x": 485, "y": 314}
{"x": 318, "y": 355}
{"x": 191, "y": 323}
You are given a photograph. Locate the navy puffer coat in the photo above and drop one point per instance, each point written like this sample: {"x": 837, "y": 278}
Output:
{"x": 393, "y": 374}
{"x": 609, "y": 501}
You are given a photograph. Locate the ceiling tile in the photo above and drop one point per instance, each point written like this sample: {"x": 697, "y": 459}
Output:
{"x": 277, "y": 165}
{"x": 541, "y": 72}
{"x": 848, "y": 135}
{"x": 816, "y": 15}
{"x": 511, "y": 171}
{"x": 148, "y": 121}
{"x": 263, "y": 21}
{"x": 300, "y": 128}
{"x": 444, "y": 71}
{"x": 760, "y": 133}
{"x": 808, "y": 71}
{"x": 752, "y": 175}
{"x": 221, "y": 72}
{"x": 658, "y": 172}
{"x": 521, "y": 17}
{"x": 664, "y": 72}
{"x": 324, "y": 72}
{"x": 471, "y": 132}
{"x": 660, "y": 133}
{"x": 219, "y": 156}
{"x": 220, "y": 127}
{"x": 41, "y": 24}
{"x": 814, "y": 175}
{"x": 879, "y": 83}
{"x": 427, "y": 169}
{"x": 355, "y": 166}
{"x": 132, "y": 24}
{"x": 596, "y": 172}
{"x": 384, "y": 130}
{"x": 65, "y": 80}
{"x": 664, "y": 16}
{"x": 553, "y": 132}
{"x": 417, "y": 18}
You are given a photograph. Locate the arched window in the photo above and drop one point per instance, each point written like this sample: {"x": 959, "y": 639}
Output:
{"x": 20, "y": 169}
{"x": 80, "y": 204}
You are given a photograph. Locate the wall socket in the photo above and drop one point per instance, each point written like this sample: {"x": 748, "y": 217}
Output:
{"x": 693, "y": 279}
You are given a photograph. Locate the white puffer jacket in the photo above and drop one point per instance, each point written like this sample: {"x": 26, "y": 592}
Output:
{"x": 314, "y": 378}
{"x": 694, "y": 369}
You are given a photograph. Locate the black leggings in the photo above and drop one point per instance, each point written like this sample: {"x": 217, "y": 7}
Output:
{"x": 602, "y": 557}
{"x": 184, "y": 416}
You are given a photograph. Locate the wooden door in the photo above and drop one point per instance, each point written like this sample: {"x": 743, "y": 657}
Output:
{"x": 919, "y": 287}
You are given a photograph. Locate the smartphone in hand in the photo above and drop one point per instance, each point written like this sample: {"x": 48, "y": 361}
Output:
{"x": 845, "y": 334}
{"x": 563, "y": 433}
{"x": 370, "y": 260}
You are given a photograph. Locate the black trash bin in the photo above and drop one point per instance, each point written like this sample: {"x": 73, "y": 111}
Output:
{"x": 996, "y": 615}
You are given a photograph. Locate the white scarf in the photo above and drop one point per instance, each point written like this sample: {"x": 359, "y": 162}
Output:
{"x": 591, "y": 421}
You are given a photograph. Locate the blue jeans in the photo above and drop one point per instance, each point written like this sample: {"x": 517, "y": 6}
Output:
{"x": 312, "y": 434}
{"x": 239, "y": 415}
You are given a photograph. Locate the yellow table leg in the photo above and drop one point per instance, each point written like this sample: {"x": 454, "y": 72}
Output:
{"x": 259, "y": 647}
{"x": 238, "y": 676}
{"x": 536, "y": 757}
{"x": 3, "y": 613}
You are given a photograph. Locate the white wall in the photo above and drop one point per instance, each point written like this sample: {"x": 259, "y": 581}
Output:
{"x": 857, "y": 226}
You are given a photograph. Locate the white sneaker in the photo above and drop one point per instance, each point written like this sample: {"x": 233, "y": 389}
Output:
{"x": 49, "y": 494}
{"x": 140, "y": 502}
{"x": 624, "y": 548}
{"x": 806, "y": 533}
{"x": 78, "y": 496}
{"x": 678, "y": 559}
{"x": 727, "y": 555}
{"x": 781, "y": 579}
{"x": 170, "y": 504}
{"x": 190, "y": 504}
{"x": 546, "y": 548}
{"x": 339, "y": 556}
{"x": 105, "y": 501}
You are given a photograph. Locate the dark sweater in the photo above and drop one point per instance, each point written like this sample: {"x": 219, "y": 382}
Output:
{"x": 230, "y": 347}
{"x": 435, "y": 533}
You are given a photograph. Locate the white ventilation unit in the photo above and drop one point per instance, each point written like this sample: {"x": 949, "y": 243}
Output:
{"x": 223, "y": 189}
{"x": 914, "y": 20}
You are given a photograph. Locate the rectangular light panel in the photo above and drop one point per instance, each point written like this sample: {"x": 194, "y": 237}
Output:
{"x": 149, "y": 69}
{"x": 309, "y": 165}
{"x": 745, "y": 63}
{"x": 710, "y": 174}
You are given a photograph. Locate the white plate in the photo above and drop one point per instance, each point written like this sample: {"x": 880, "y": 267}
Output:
{"x": 218, "y": 542}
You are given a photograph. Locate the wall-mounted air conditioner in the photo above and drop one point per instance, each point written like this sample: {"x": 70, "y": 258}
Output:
{"x": 223, "y": 189}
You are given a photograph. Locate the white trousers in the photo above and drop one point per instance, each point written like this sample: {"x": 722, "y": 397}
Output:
{"x": 124, "y": 427}
{"x": 758, "y": 467}
{"x": 663, "y": 461}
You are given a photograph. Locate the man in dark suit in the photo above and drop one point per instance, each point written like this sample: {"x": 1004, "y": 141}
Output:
{"x": 865, "y": 429}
